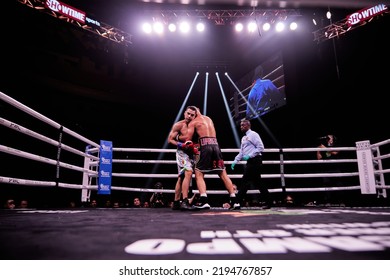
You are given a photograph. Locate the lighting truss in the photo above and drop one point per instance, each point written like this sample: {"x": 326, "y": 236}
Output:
{"x": 223, "y": 17}
{"x": 339, "y": 28}
{"x": 104, "y": 30}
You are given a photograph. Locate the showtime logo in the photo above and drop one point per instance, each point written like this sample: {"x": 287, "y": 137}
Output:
{"x": 66, "y": 10}
{"x": 366, "y": 14}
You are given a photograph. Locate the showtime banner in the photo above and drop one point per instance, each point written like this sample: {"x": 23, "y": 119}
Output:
{"x": 66, "y": 10}
{"x": 366, "y": 167}
{"x": 366, "y": 14}
{"x": 105, "y": 167}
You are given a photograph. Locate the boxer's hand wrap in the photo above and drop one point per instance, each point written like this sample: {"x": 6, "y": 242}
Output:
{"x": 177, "y": 138}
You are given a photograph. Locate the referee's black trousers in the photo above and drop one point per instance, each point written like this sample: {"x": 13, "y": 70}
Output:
{"x": 251, "y": 179}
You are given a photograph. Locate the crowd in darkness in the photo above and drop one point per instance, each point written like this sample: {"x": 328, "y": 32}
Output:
{"x": 10, "y": 198}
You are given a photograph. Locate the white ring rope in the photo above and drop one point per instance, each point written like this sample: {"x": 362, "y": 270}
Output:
{"x": 44, "y": 119}
{"x": 265, "y": 176}
{"x": 23, "y": 154}
{"x": 36, "y": 135}
{"x": 91, "y": 163}
{"x": 230, "y": 161}
{"x": 18, "y": 181}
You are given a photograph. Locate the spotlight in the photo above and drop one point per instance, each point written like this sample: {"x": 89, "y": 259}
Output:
{"x": 252, "y": 26}
{"x": 172, "y": 27}
{"x": 184, "y": 27}
{"x": 293, "y": 26}
{"x": 147, "y": 28}
{"x": 158, "y": 27}
{"x": 239, "y": 27}
{"x": 279, "y": 26}
{"x": 266, "y": 26}
{"x": 200, "y": 27}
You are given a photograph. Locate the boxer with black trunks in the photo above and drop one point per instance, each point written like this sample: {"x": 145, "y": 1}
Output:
{"x": 210, "y": 158}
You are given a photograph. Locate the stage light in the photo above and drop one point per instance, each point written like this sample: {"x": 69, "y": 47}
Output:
{"x": 293, "y": 26}
{"x": 239, "y": 27}
{"x": 147, "y": 28}
{"x": 172, "y": 27}
{"x": 184, "y": 27}
{"x": 279, "y": 26}
{"x": 255, "y": 21}
{"x": 200, "y": 27}
{"x": 158, "y": 27}
{"x": 266, "y": 26}
{"x": 252, "y": 27}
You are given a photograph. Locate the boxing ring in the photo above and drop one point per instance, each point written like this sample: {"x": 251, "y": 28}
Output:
{"x": 51, "y": 156}
{"x": 76, "y": 164}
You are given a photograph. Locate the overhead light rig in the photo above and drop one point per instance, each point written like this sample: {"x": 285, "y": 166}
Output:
{"x": 223, "y": 17}
{"x": 351, "y": 22}
{"x": 97, "y": 27}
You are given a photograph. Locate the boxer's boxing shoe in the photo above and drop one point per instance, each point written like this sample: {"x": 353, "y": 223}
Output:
{"x": 185, "y": 205}
{"x": 202, "y": 204}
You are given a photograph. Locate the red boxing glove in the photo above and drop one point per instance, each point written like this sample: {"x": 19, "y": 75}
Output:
{"x": 196, "y": 149}
{"x": 188, "y": 145}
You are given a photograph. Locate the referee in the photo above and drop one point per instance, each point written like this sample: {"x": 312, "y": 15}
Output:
{"x": 251, "y": 148}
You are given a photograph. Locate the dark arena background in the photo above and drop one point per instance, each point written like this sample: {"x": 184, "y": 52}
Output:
{"x": 87, "y": 101}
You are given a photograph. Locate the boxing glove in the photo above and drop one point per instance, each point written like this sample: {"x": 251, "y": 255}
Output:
{"x": 189, "y": 145}
{"x": 196, "y": 149}
{"x": 185, "y": 146}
